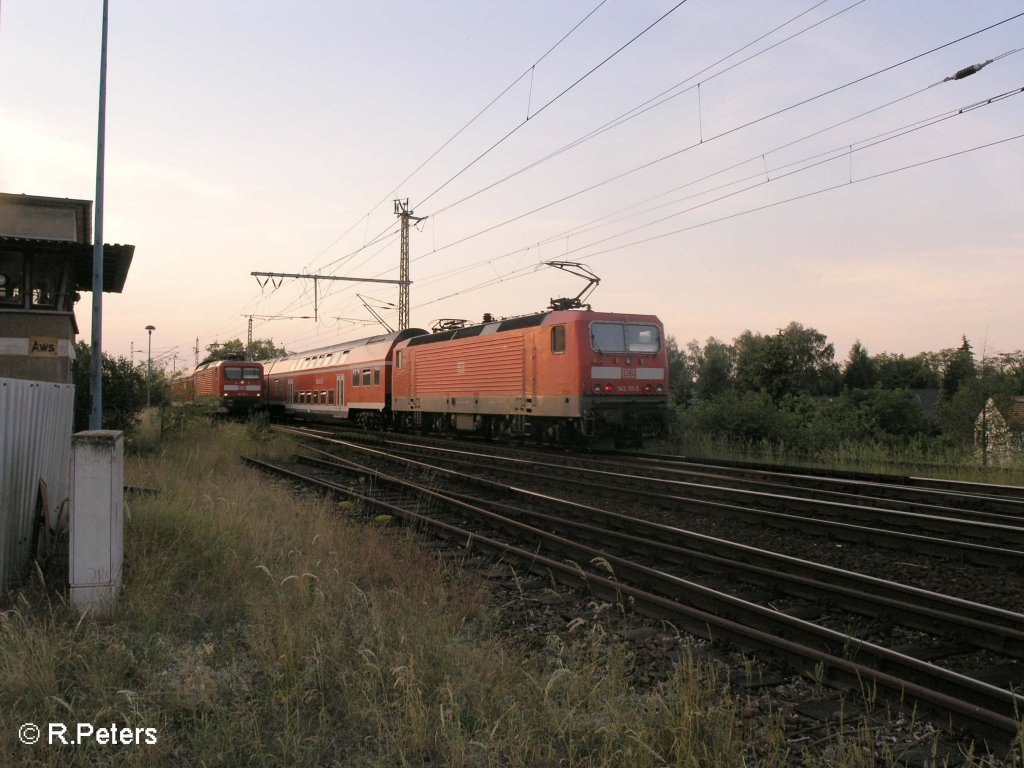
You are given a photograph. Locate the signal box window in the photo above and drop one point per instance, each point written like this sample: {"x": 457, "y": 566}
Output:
{"x": 46, "y": 279}
{"x": 12, "y": 279}
{"x": 558, "y": 339}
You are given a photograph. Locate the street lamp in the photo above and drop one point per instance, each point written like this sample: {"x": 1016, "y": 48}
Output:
{"x": 149, "y": 363}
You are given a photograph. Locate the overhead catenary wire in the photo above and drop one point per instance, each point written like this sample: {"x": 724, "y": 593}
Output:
{"x": 523, "y": 272}
{"x": 594, "y": 223}
{"x": 774, "y": 175}
{"x": 547, "y": 104}
{"x": 653, "y": 102}
{"x": 833, "y": 90}
{"x": 529, "y": 70}
{"x": 389, "y": 231}
{"x": 722, "y": 134}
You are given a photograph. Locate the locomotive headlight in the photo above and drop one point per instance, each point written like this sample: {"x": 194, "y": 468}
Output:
{"x": 659, "y": 389}
{"x": 597, "y": 389}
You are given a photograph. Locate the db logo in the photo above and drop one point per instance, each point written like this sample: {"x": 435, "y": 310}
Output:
{"x": 629, "y": 373}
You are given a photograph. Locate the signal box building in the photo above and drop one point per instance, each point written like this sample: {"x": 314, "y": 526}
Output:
{"x": 46, "y": 257}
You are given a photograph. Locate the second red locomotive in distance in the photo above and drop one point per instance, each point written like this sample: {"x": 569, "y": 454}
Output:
{"x": 230, "y": 386}
{"x": 564, "y": 376}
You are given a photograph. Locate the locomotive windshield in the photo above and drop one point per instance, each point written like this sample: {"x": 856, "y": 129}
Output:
{"x": 232, "y": 372}
{"x": 630, "y": 337}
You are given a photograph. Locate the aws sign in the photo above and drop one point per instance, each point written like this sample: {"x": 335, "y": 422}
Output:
{"x": 43, "y": 346}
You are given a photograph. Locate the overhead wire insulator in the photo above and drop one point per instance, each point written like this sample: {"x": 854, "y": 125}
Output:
{"x": 967, "y": 71}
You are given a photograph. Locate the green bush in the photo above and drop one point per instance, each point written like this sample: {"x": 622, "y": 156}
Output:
{"x": 124, "y": 391}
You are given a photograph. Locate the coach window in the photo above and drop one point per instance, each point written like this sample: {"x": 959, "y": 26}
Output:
{"x": 323, "y": 397}
{"x": 330, "y": 397}
{"x": 366, "y": 377}
{"x": 376, "y": 376}
{"x": 355, "y": 378}
{"x": 558, "y": 339}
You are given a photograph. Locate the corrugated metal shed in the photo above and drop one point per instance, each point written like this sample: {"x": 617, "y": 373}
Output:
{"x": 36, "y": 420}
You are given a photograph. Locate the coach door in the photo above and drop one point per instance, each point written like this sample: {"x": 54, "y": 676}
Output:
{"x": 341, "y": 391}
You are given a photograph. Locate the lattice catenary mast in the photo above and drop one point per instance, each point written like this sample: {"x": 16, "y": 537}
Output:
{"x": 403, "y": 212}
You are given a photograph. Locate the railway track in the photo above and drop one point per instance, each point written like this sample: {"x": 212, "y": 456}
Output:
{"x": 928, "y": 526}
{"x": 707, "y": 585}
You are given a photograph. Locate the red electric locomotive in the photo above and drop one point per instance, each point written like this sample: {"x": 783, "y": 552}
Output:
{"x": 232, "y": 386}
{"x": 351, "y": 380}
{"x": 565, "y": 376}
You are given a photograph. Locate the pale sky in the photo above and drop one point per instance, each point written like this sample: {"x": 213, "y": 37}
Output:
{"x": 245, "y": 135}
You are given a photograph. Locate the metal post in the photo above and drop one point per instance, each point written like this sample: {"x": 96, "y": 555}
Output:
{"x": 149, "y": 364}
{"x": 403, "y": 212}
{"x": 96, "y": 365}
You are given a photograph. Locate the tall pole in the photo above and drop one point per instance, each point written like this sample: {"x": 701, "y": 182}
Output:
{"x": 149, "y": 364}
{"x": 402, "y": 211}
{"x": 96, "y": 366}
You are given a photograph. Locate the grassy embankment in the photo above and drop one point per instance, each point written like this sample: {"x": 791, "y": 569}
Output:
{"x": 258, "y": 629}
{"x": 947, "y": 463}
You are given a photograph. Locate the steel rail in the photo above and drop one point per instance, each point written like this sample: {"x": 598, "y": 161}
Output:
{"x": 988, "y": 710}
{"x": 980, "y": 530}
{"x": 1011, "y": 497}
{"x": 981, "y": 554}
{"x": 980, "y": 625}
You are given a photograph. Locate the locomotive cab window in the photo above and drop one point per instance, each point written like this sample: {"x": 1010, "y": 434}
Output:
{"x": 251, "y": 373}
{"x": 233, "y": 372}
{"x": 558, "y": 339}
{"x": 607, "y": 337}
{"x": 643, "y": 338}
{"x": 630, "y": 337}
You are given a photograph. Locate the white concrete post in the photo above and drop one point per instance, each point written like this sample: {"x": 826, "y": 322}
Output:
{"x": 97, "y": 518}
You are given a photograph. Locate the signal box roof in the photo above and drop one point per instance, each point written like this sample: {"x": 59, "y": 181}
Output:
{"x": 117, "y": 259}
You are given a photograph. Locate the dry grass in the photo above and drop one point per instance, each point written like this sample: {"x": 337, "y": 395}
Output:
{"x": 260, "y": 629}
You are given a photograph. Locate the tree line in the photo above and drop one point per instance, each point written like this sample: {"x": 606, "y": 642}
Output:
{"x": 788, "y": 389}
